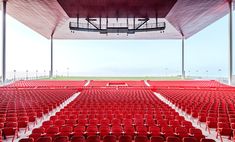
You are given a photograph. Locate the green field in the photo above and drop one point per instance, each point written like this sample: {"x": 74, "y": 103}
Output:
{"x": 115, "y": 78}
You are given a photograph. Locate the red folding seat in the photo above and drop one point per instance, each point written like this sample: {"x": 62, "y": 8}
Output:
{"x": 223, "y": 129}
{"x": 141, "y": 139}
{"x": 11, "y": 124}
{"x": 23, "y": 124}
{"x": 156, "y": 139}
{"x": 37, "y": 132}
{"x": 59, "y": 123}
{"x": 73, "y": 116}
{"x": 11, "y": 119}
{"x": 129, "y": 131}
{"x": 82, "y": 122}
{"x": 127, "y": 122}
{"x": 186, "y": 124}
{"x": 47, "y": 124}
{"x": 150, "y": 122}
{"x": 104, "y": 130}
{"x": 155, "y": 131}
{"x": 66, "y": 130}
{"x": 52, "y": 131}
{"x": 172, "y": 139}
{"x": 26, "y": 140}
{"x": 0, "y": 135}
{"x": 61, "y": 139}
{"x": 82, "y": 116}
{"x": 174, "y": 123}
{"x": 211, "y": 122}
{"x": 189, "y": 139}
{"x": 93, "y": 122}
{"x": 125, "y": 138}
{"x": 142, "y": 130}
{"x": 207, "y": 140}
{"x": 53, "y": 118}
{"x": 197, "y": 133}
{"x": 79, "y": 130}
{"x": 93, "y": 139}
{"x": 10, "y": 131}
{"x": 167, "y": 131}
{"x": 181, "y": 132}
{"x": 91, "y": 130}
{"x": 109, "y": 138}
{"x": 44, "y": 139}
{"x": 71, "y": 122}
{"x": 91, "y": 116}
{"x": 78, "y": 139}
{"x": 104, "y": 121}
{"x": 117, "y": 130}
{"x": 63, "y": 117}
{"x": 115, "y": 122}
{"x": 139, "y": 121}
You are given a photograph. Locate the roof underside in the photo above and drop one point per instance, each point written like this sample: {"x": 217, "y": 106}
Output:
{"x": 49, "y": 17}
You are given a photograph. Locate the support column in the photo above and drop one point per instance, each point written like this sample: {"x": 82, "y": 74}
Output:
{"x": 230, "y": 42}
{"x": 51, "y": 71}
{"x": 4, "y": 4}
{"x": 183, "y": 71}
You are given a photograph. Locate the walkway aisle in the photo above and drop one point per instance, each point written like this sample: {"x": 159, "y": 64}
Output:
{"x": 45, "y": 118}
{"x": 88, "y": 82}
{"x": 194, "y": 121}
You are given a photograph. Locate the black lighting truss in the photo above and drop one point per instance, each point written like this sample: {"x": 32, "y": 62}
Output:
{"x": 94, "y": 25}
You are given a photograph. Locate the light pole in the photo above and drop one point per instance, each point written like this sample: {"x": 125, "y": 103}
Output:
{"x": 14, "y": 75}
{"x": 27, "y": 74}
{"x": 56, "y": 73}
{"x": 36, "y": 74}
{"x": 207, "y": 74}
{"x": 44, "y": 73}
{"x": 166, "y": 69}
{"x": 67, "y": 72}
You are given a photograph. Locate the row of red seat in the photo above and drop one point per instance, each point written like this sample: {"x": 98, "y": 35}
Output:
{"x": 46, "y": 83}
{"x": 117, "y": 83}
{"x": 112, "y": 138}
{"x": 215, "y": 108}
{"x": 186, "y": 83}
{"x": 87, "y": 120}
{"x": 19, "y": 107}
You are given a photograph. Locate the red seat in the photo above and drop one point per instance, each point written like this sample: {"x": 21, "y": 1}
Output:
{"x": 52, "y": 131}
{"x": 197, "y": 133}
{"x": 44, "y": 139}
{"x": 78, "y": 139}
{"x": 10, "y": 131}
{"x": 91, "y": 130}
{"x": 93, "y": 139}
{"x": 155, "y": 131}
{"x": 173, "y": 139}
{"x": 26, "y": 140}
{"x": 156, "y": 139}
{"x": 61, "y": 139}
{"x": 66, "y": 130}
{"x": 207, "y": 140}
{"x": 141, "y": 139}
{"x": 189, "y": 139}
{"x": 104, "y": 130}
{"x": 109, "y": 138}
{"x": 79, "y": 130}
{"x": 125, "y": 138}
{"x": 181, "y": 132}
{"x": 117, "y": 130}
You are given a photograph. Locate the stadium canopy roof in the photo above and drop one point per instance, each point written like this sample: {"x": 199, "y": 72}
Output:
{"x": 182, "y": 17}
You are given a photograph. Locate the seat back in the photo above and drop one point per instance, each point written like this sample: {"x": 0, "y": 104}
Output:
{"x": 78, "y": 139}
{"x": 125, "y": 138}
{"x": 189, "y": 139}
{"x": 44, "y": 139}
{"x": 207, "y": 140}
{"x": 93, "y": 139}
{"x": 61, "y": 139}
{"x": 109, "y": 138}
{"x": 156, "y": 139}
{"x": 27, "y": 140}
{"x": 141, "y": 139}
{"x": 173, "y": 139}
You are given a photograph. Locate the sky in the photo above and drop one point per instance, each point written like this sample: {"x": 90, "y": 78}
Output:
{"x": 206, "y": 54}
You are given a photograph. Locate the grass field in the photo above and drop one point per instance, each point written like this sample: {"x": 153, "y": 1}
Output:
{"x": 115, "y": 78}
